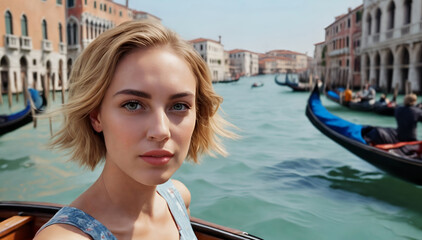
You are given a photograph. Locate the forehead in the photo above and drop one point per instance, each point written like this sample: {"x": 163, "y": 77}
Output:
{"x": 158, "y": 67}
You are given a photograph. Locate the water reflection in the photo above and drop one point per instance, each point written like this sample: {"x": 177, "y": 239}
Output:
{"x": 14, "y": 164}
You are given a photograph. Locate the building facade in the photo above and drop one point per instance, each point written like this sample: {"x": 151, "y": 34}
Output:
{"x": 213, "y": 54}
{"x": 391, "y": 47}
{"x": 41, "y": 39}
{"x": 33, "y": 44}
{"x": 319, "y": 61}
{"x": 274, "y": 64}
{"x": 298, "y": 62}
{"x": 243, "y": 62}
{"x": 341, "y": 51}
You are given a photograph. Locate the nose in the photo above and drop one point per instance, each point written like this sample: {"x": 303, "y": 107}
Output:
{"x": 159, "y": 129}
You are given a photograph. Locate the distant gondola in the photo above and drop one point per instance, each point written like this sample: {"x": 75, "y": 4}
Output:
{"x": 296, "y": 87}
{"x": 230, "y": 80}
{"x": 349, "y": 135}
{"x": 18, "y": 119}
{"x": 257, "y": 84}
{"x": 21, "y": 220}
{"x": 366, "y": 106}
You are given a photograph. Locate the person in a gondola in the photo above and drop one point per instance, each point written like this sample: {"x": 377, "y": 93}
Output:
{"x": 140, "y": 101}
{"x": 348, "y": 95}
{"x": 407, "y": 117}
{"x": 367, "y": 94}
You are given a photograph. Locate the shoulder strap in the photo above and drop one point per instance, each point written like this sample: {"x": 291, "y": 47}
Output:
{"x": 178, "y": 209}
{"x": 81, "y": 220}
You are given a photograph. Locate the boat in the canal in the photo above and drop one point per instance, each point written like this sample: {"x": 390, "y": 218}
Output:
{"x": 21, "y": 221}
{"x": 257, "y": 84}
{"x": 13, "y": 121}
{"x": 350, "y": 136}
{"x": 231, "y": 79}
{"x": 364, "y": 106}
{"x": 295, "y": 86}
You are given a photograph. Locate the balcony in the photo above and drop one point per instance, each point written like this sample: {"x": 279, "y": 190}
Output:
{"x": 357, "y": 50}
{"x": 26, "y": 43}
{"x": 405, "y": 30}
{"x": 12, "y": 42}
{"x": 62, "y": 48}
{"x": 339, "y": 52}
{"x": 74, "y": 47}
{"x": 376, "y": 37}
{"x": 47, "y": 46}
{"x": 389, "y": 34}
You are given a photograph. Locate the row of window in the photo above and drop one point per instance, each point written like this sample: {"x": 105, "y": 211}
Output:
{"x": 340, "y": 43}
{"x": 391, "y": 17}
{"x": 346, "y": 24}
{"x": 103, "y": 7}
{"x": 24, "y": 26}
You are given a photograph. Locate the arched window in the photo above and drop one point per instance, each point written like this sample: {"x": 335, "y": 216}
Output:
{"x": 75, "y": 35}
{"x": 391, "y": 15}
{"x": 9, "y": 22}
{"x": 24, "y": 25}
{"x": 407, "y": 11}
{"x": 69, "y": 34}
{"x": 60, "y": 33}
{"x": 369, "y": 23}
{"x": 44, "y": 29}
{"x": 72, "y": 33}
{"x": 378, "y": 21}
{"x": 86, "y": 29}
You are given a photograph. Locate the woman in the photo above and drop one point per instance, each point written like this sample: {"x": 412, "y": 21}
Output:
{"x": 141, "y": 100}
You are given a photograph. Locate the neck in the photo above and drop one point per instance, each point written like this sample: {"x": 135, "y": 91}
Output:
{"x": 124, "y": 194}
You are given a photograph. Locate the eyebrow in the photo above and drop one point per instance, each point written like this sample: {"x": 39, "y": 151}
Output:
{"x": 134, "y": 93}
{"x": 148, "y": 96}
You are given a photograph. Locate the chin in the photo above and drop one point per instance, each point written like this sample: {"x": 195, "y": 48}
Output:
{"x": 155, "y": 179}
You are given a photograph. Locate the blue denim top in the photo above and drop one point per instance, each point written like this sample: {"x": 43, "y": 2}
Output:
{"x": 96, "y": 230}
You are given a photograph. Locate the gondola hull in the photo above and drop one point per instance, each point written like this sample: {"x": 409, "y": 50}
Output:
{"x": 9, "y": 123}
{"x": 376, "y": 107}
{"x": 400, "y": 166}
{"x": 39, "y": 213}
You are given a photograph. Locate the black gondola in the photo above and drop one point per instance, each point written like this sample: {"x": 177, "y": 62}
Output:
{"x": 18, "y": 119}
{"x": 349, "y": 135}
{"x": 295, "y": 86}
{"x": 231, "y": 80}
{"x": 23, "y": 219}
{"x": 366, "y": 106}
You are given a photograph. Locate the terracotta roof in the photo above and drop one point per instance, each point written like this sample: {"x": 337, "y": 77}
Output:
{"x": 285, "y": 52}
{"x": 319, "y": 43}
{"x": 241, "y": 50}
{"x": 198, "y": 40}
{"x": 336, "y": 19}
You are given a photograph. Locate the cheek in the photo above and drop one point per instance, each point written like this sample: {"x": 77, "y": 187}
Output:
{"x": 185, "y": 130}
{"x": 119, "y": 130}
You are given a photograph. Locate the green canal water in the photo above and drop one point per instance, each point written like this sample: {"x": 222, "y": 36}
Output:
{"x": 282, "y": 180}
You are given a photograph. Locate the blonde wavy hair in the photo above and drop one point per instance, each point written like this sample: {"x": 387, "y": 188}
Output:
{"x": 92, "y": 74}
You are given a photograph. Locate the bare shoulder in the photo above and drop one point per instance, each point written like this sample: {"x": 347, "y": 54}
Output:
{"x": 184, "y": 191}
{"x": 61, "y": 231}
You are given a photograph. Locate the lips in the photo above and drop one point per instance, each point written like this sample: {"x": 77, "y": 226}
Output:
{"x": 157, "y": 157}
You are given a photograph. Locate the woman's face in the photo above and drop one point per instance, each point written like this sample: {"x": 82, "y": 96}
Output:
{"x": 148, "y": 115}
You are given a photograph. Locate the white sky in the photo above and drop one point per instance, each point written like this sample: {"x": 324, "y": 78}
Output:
{"x": 255, "y": 25}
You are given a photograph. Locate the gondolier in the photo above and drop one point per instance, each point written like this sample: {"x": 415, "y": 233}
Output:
{"x": 407, "y": 117}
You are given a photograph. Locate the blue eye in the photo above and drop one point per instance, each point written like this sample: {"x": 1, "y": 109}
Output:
{"x": 132, "y": 106}
{"x": 180, "y": 107}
